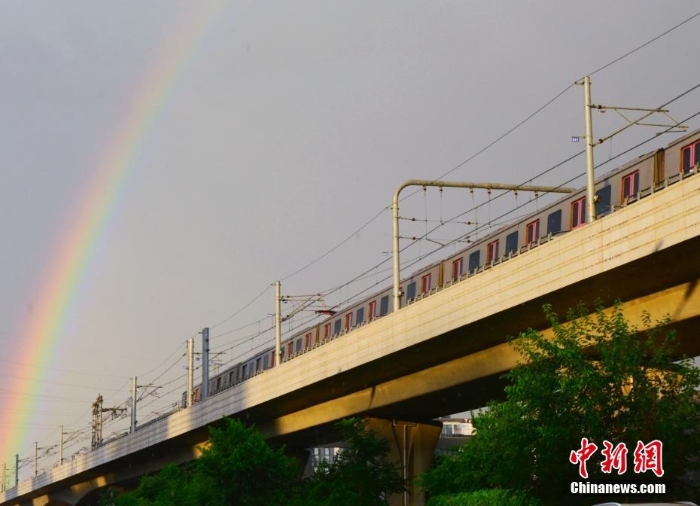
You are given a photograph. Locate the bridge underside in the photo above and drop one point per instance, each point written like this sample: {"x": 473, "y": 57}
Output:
{"x": 467, "y": 364}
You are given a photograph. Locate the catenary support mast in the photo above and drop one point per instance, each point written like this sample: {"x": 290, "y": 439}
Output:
{"x": 190, "y": 372}
{"x": 590, "y": 173}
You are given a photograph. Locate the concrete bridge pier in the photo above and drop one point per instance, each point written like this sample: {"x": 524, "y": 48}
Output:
{"x": 413, "y": 446}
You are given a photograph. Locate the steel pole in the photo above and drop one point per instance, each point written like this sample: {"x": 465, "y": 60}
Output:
{"x": 590, "y": 173}
{"x": 396, "y": 250}
{"x": 133, "y": 405}
{"x": 405, "y": 466}
{"x": 190, "y": 372}
{"x": 60, "y": 448}
{"x": 205, "y": 363}
{"x": 278, "y": 324}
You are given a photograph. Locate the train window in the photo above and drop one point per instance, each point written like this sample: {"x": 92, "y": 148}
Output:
{"x": 266, "y": 361}
{"x": 258, "y": 364}
{"x": 337, "y": 326}
{"x": 511, "y": 243}
{"x": 630, "y": 186}
{"x": 411, "y": 291}
{"x": 327, "y": 331}
{"x": 307, "y": 340}
{"x": 578, "y": 212}
{"x": 290, "y": 349}
{"x": 348, "y": 321}
{"x": 372, "y": 310}
{"x": 492, "y": 251}
{"x": 218, "y": 383}
{"x": 425, "y": 283}
{"x": 457, "y": 268}
{"x": 532, "y": 232}
{"x": 690, "y": 156}
{"x": 245, "y": 370}
{"x": 272, "y": 359}
{"x": 298, "y": 345}
{"x": 602, "y": 205}
{"x": 474, "y": 261}
{"x": 360, "y": 316}
{"x": 554, "y": 222}
{"x": 384, "y": 305}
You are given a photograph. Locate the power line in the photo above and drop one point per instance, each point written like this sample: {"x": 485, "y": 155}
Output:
{"x": 494, "y": 142}
{"x": 334, "y": 248}
{"x": 241, "y": 309}
{"x": 643, "y": 45}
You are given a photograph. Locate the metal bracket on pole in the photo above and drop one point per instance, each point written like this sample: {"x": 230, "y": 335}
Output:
{"x": 449, "y": 184}
{"x": 303, "y": 303}
{"x": 590, "y": 143}
{"x": 638, "y": 122}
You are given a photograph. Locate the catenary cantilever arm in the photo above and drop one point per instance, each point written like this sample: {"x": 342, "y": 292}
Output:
{"x": 449, "y": 184}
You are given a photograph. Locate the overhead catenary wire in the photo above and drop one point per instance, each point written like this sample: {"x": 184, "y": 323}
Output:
{"x": 597, "y": 166}
{"x": 568, "y": 159}
{"x": 239, "y": 311}
{"x": 650, "y": 41}
{"x": 498, "y": 139}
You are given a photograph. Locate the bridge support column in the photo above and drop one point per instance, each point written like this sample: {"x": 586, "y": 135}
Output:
{"x": 413, "y": 446}
{"x": 303, "y": 457}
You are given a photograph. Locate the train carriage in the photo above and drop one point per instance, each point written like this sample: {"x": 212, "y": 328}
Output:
{"x": 621, "y": 187}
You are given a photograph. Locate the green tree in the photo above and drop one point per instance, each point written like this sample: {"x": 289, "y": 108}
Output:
{"x": 245, "y": 470}
{"x": 239, "y": 467}
{"x": 172, "y": 486}
{"x": 236, "y": 467}
{"x": 599, "y": 378}
{"x": 362, "y": 474}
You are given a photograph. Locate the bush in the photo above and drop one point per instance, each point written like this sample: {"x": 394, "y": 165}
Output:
{"x": 494, "y": 497}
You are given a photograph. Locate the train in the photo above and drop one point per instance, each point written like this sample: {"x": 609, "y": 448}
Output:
{"x": 617, "y": 189}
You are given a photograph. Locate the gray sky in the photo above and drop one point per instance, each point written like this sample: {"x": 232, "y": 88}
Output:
{"x": 279, "y": 129}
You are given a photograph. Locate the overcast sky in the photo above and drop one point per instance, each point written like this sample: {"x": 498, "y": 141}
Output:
{"x": 250, "y": 138}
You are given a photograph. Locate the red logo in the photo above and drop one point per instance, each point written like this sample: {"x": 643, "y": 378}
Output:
{"x": 615, "y": 458}
{"x": 581, "y": 456}
{"x": 647, "y": 457}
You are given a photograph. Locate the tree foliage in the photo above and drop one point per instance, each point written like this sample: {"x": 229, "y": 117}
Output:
{"x": 492, "y": 497}
{"x": 239, "y": 467}
{"x": 598, "y": 377}
{"x": 245, "y": 470}
{"x": 361, "y": 474}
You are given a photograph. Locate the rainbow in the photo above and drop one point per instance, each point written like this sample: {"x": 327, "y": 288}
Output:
{"x": 41, "y": 336}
